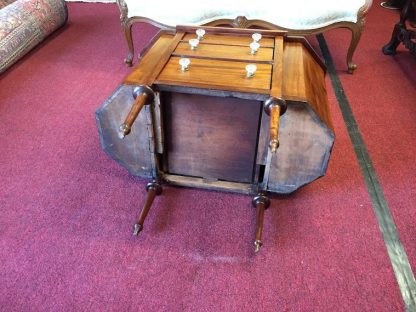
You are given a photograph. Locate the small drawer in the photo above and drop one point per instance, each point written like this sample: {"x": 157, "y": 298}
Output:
{"x": 224, "y": 52}
{"x": 242, "y": 40}
{"x": 217, "y": 74}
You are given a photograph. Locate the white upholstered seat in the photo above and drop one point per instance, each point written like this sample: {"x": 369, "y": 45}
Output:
{"x": 300, "y": 17}
{"x": 299, "y": 14}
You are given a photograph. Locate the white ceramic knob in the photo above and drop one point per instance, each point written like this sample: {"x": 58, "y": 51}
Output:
{"x": 251, "y": 69}
{"x": 256, "y": 37}
{"x": 200, "y": 33}
{"x": 254, "y": 46}
{"x": 193, "y": 43}
{"x": 184, "y": 62}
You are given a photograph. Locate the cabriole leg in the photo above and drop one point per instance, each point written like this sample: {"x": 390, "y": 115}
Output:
{"x": 356, "y": 31}
{"x": 127, "y": 34}
{"x": 126, "y": 24}
{"x": 153, "y": 189}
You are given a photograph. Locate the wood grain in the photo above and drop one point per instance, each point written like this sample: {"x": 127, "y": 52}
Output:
{"x": 305, "y": 79}
{"x": 305, "y": 147}
{"x": 153, "y": 62}
{"x": 134, "y": 112}
{"x": 231, "y": 40}
{"x": 222, "y": 75}
{"x": 315, "y": 88}
{"x": 212, "y": 130}
{"x": 274, "y": 127}
{"x": 152, "y": 41}
{"x": 277, "y": 75}
{"x": 294, "y": 82}
{"x": 210, "y": 137}
{"x": 308, "y": 47}
{"x": 229, "y": 52}
{"x": 226, "y": 186}
{"x": 305, "y": 130}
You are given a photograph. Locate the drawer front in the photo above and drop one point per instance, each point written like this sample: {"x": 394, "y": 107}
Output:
{"x": 214, "y": 74}
{"x": 242, "y": 40}
{"x": 224, "y": 52}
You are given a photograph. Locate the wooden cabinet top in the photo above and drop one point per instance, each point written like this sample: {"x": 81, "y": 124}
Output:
{"x": 219, "y": 61}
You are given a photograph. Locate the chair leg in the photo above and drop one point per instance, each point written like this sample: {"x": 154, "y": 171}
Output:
{"x": 127, "y": 34}
{"x": 356, "y": 31}
{"x": 126, "y": 24}
{"x": 153, "y": 189}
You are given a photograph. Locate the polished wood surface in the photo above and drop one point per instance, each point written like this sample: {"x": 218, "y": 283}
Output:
{"x": 153, "y": 189}
{"x": 215, "y": 74}
{"x": 224, "y": 51}
{"x": 230, "y": 40}
{"x": 274, "y": 128}
{"x": 259, "y": 222}
{"x": 153, "y": 62}
{"x": 276, "y": 91}
{"x": 138, "y": 104}
{"x": 260, "y": 202}
{"x": 316, "y": 95}
{"x": 277, "y": 75}
{"x": 144, "y": 95}
{"x": 305, "y": 80}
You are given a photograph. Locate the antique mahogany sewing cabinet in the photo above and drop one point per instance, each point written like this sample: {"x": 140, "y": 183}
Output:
{"x": 196, "y": 117}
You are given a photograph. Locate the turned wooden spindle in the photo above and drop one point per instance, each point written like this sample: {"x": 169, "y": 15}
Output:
{"x": 274, "y": 107}
{"x": 274, "y": 127}
{"x": 260, "y": 202}
{"x": 153, "y": 189}
{"x": 143, "y": 95}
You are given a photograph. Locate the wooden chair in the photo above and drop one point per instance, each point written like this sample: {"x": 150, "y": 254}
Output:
{"x": 301, "y": 17}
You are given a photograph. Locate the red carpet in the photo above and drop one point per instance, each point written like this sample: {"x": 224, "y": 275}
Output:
{"x": 67, "y": 209}
{"x": 382, "y": 94}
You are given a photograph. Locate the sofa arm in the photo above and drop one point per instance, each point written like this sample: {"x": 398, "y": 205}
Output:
{"x": 24, "y": 24}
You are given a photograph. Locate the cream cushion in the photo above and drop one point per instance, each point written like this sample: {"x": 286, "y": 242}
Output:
{"x": 299, "y": 14}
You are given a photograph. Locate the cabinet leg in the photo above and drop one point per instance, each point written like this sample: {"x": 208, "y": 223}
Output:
{"x": 260, "y": 202}
{"x": 153, "y": 189}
